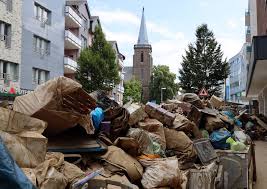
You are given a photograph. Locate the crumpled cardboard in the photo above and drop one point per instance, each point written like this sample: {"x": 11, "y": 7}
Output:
{"x": 216, "y": 102}
{"x": 117, "y": 156}
{"x": 181, "y": 144}
{"x": 55, "y": 173}
{"x": 161, "y": 172}
{"x": 22, "y": 137}
{"x": 193, "y": 99}
{"x": 155, "y": 127}
{"x": 213, "y": 123}
{"x": 156, "y": 112}
{"x": 137, "y": 113}
{"x": 129, "y": 145}
{"x": 61, "y": 102}
{"x": 181, "y": 123}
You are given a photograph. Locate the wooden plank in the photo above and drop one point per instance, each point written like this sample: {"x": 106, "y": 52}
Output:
{"x": 260, "y": 122}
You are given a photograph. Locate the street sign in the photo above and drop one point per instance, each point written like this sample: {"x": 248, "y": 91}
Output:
{"x": 203, "y": 92}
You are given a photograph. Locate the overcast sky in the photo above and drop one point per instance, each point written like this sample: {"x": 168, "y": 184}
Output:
{"x": 171, "y": 26}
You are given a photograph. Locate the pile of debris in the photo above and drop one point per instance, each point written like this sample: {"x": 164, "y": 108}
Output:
{"x": 59, "y": 136}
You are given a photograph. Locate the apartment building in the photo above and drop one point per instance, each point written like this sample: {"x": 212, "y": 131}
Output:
{"x": 43, "y": 26}
{"x": 10, "y": 47}
{"x": 238, "y": 76}
{"x": 118, "y": 91}
{"x": 77, "y": 34}
{"x": 257, "y": 77}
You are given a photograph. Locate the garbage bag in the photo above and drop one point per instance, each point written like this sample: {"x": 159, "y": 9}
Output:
{"x": 118, "y": 157}
{"x": 193, "y": 99}
{"x": 155, "y": 127}
{"x": 143, "y": 138}
{"x": 231, "y": 116}
{"x": 11, "y": 176}
{"x": 97, "y": 117}
{"x": 181, "y": 144}
{"x": 218, "y": 139}
{"x": 129, "y": 145}
{"x": 213, "y": 123}
{"x": 236, "y": 145}
{"x": 161, "y": 172}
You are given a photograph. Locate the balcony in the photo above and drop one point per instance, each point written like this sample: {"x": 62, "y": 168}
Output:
{"x": 70, "y": 66}
{"x": 247, "y": 18}
{"x": 120, "y": 89}
{"x": 72, "y": 19}
{"x": 257, "y": 77}
{"x": 72, "y": 41}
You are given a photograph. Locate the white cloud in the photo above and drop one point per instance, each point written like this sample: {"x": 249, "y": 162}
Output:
{"x": 120, "y": 37}
{"x": 203, "y": 3}
{"x": 230, "y": 46}
{"x": 232, "y": 23}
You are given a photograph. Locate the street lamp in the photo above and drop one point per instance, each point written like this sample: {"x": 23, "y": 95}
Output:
{"x": 161, "y": 94}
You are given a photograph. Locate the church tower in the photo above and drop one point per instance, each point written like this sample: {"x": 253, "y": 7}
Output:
{"x": 142, "y": 59}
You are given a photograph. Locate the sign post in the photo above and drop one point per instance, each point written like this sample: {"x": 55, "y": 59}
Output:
{"x": 203, "y": 92}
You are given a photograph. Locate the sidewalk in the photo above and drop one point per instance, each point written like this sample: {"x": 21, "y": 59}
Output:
{"x": 261, "y": 161}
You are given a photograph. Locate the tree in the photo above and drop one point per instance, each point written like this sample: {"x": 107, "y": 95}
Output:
{"x": 98, "y": 69}
{"x": 162, "y": 78}
{"x": 132, "y": 89}
{"x": 203, "y": 64}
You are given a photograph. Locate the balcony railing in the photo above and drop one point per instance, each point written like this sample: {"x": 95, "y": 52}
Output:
{"x": 74, "y": 39}
{"x": 73, "y": 15}
{"x": 68, "y": 61}
{"x": 6, "y": 39}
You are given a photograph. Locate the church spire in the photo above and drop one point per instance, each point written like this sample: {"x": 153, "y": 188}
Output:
{"x": 142, "y": 38}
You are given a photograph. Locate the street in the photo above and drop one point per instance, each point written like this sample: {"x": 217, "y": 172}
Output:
{"x": 261, "y": 162}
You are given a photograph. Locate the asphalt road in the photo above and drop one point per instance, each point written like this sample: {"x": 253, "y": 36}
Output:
{"x": 261, "y": 163}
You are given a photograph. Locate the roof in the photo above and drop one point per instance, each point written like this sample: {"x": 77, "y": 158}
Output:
{"x": 142, "y": 38}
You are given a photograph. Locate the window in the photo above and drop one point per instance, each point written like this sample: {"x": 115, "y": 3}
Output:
{"x": 41, "y": 46}
{"x": 84, "y": 42}
{"x": 8, "y": 4}
{"x": 8, "y": 71}
{"x": 42, "y": 14}
{"x": 39, "y": 76}
{"x": 142, "y": 56}
{"x": 5, "y": 33}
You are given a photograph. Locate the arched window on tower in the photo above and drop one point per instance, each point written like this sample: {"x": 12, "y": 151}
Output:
{"x": 142, "y": 56}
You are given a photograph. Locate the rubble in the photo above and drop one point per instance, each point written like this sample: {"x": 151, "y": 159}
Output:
{"x": 62, "y": 137}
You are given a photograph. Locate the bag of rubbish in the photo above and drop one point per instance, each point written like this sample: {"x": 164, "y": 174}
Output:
{"x": 181, "y": 144}
{"x": 11, "y": 176}
{"x": 129, "y": 145}
{"x": 213, "y": 123}
{"x": 218, "y": 139}
{"x": 240, "y": 136}
{"x": 193, "y": 99}
{"x": 97, "y": 117}
{"x": 231, "y": 116}
{"x": 155, "y": 127}
{"x": 118, "y": 157}
{"x": 143, "y": 138}
{"x": 236, "y": 146}
{"x": 161, "y": 172}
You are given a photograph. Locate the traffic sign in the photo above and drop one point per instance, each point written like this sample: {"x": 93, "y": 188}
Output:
{"x": 203, "y": 92}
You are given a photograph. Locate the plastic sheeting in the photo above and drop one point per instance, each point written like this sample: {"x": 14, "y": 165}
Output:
{"x": 11, "y": 176}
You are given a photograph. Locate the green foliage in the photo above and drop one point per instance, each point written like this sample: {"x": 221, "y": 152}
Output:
{"x": 98, "y": 69}
{"x": 162, "y": 78}
{"x": 203, "y": 64}
{"x": 132, "y": 89}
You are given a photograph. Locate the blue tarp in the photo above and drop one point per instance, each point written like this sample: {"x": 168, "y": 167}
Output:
{"x": 97, "y": 117}
{"x": 11, "y": 176}
{"x": 218, "y": 139}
